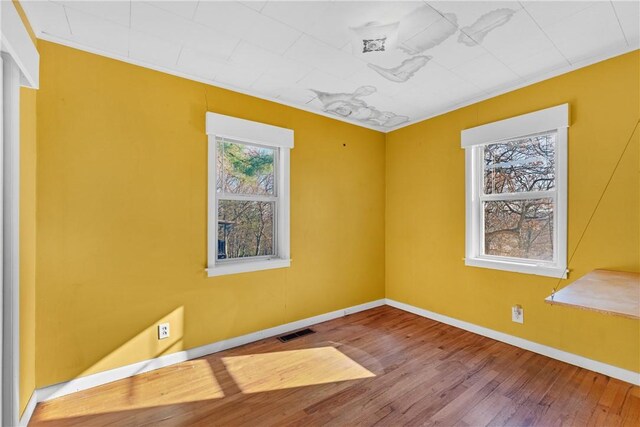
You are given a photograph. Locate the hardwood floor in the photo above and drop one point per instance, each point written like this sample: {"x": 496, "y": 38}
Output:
{"x": 379, "y": 367}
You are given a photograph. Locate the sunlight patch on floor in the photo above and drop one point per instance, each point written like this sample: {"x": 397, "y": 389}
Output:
{"x": 191, "y": 381}
{"x": 257, "y": 373}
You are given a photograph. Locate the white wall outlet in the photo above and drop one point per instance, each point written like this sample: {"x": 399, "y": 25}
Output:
{"x": 517, "y": 313}
{"x": 163, "y": 331}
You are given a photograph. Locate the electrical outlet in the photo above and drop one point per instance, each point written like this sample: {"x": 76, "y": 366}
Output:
{"x": 163, "y": 331}
{"x": 517, "y": 313}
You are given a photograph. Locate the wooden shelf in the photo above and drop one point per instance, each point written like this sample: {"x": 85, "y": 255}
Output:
{"x": 610, "y": 292}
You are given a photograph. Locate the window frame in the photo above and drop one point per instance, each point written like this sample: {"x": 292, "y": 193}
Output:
{"x": 235, "y": 130}
{"x": 554, "y": 119}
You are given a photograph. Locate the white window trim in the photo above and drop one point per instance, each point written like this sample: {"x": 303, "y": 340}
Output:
{"x": 548, "y": 120}
{"x": 220, "y": 126}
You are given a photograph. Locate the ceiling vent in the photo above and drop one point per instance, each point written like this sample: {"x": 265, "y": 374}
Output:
{"x": 374, "y": 39}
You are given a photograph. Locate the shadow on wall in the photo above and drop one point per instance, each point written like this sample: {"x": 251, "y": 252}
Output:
{"x": 145, "y": 342}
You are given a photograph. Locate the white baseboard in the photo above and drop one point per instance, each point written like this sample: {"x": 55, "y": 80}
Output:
{"x": 28, "y": 410}
{"x": 573, "y": 359}
{"x": 93, "y": 380}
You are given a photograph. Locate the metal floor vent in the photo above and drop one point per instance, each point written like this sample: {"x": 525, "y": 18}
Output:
{"x": 297, "y": 334}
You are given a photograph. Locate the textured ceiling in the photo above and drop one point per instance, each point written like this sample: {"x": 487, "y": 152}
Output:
{"x": 448, "y": 54}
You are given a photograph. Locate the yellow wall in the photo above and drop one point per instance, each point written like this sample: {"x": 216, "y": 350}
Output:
{"x": 27, "y": 233}
{"x": 425, "y": 211}
{"x": 121, "y": 217}
{"x": 25, "y": 21}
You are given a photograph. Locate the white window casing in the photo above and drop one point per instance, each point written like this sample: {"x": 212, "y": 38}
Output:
{"x": 220, "y": 127}
{"x": 554, "y": 119}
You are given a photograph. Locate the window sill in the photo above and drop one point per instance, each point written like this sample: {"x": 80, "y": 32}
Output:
{"x": 247, "y": 266}
{"x": 517, "y": 267}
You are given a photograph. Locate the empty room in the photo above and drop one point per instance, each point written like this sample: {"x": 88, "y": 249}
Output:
{"x": 336, "y": 213}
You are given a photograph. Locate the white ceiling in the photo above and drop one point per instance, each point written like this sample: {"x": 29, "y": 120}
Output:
{"x": 299, "y": 53}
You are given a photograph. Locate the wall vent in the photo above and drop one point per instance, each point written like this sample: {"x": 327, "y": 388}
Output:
{"x": 297, "y": 334}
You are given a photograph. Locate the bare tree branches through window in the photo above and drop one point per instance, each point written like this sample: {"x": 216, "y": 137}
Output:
{"x": 518, "y": 209}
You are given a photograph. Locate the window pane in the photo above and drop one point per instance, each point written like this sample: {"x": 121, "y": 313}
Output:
{"x": 245, "y": 169}
{"x": 525, "y": 164}
{"x": 519, "y": 228}
{"x": 219, "y": 166}
{"x": 245, "y": 229}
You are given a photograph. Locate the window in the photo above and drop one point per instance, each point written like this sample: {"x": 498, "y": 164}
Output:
{"x": 516, "y": 193}
{"x": 246, "y": 199}
{"x": 248, "y": 195}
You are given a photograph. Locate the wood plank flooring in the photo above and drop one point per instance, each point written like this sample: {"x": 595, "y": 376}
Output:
{"x": 380, "y": 367}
